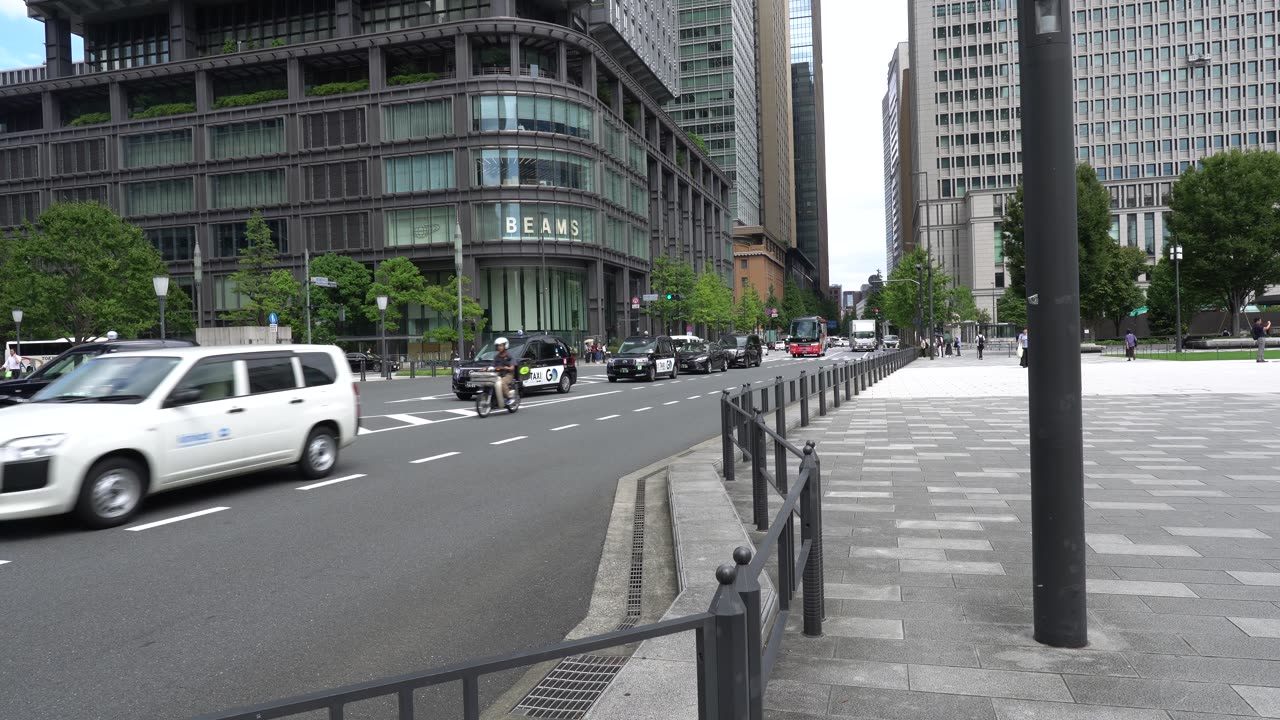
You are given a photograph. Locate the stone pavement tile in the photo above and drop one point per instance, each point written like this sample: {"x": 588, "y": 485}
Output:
{"x": 1104, "y": 505}
{"x": 793, "y": 696}
{"x": 1166, "y": 623}
{"x": 952, "y": 567}
{"x": 972, "y": 633}
{"x": 989, "y": 683}
{"x": 1159, "y": 694}
{"x": 898, "y": 553}
{"x": 966, "y": 596}
{"x": 1152, "y": 550}
{"x": 1264, "y": 700}
{"x": 894, "y": 610}
{"x": 1139, "y": 587}
{"x": 1258, "y": 627}
{"x": 900, "y": 651}
{"x": 1168, "y": 575}
{"x": 1055, "y": 660}
{"x": 1215, "y": 563}
{"x": 842, "y": 591}
{"x": 783, "y": 715}
{"x": 1178, "y": 715}
{"x": 1037, "y": 710}
{"x": 871, "y": 577}
{"x": 798, "y": 644}
{"x": 1203, "y": 606}
{"x": 866, "y": 703}
{"x": 1236, "y": 592}
{"x": 1205, "y": 669}
{"x": 1235, "y": 647}
{"x": 1252, "y": 533}
{"x": 945, "y": 543}
{"x": 855, "y": 627}
{"x": 1108, "y": 639}
{"x": 838, "y": 671}
{"x": 1256, "y": 578}
{"x": 998, "y": 614}
{"x": 1122, "y": 603}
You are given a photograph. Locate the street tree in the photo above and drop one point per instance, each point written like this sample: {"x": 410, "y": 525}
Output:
{"x": 401, "y": 281}
{"x": 793, "y": 302}
{"x": 711, "y": 302}
{"x": 81, "y": 271}
{"x": 262, "y": 287}
{"x": 1012, "y": 308}
{"x": 1162, "y": 300}
{"x": 1117, "y": 293}
{"x": 749, "y": 313}
{"x": 671, "y": 276}
{"x": 900, "y": 301}
{"x": 444, "y": 300}
{"x": 1224, "y": 216}
{"x": 353, "y": 280}
{"x": 772, "y": 302}
{"x": 961, "y": 306}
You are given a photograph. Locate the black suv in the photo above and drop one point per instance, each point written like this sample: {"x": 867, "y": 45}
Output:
{"x": 13, "y": 392}
{"x": 744, "y": 349}
{"x": 644, "y": 356}
{"x": 543, "y": 362}
{"x": 703, "y": 357}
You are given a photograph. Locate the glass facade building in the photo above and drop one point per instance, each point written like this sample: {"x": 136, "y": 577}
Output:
{"x": 401, "y": 121}
{"x": 810, "y": 135}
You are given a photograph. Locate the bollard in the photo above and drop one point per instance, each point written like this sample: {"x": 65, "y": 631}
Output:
{"x": 780, "y": 409}
{"x": 811, "y": 531}
{"x": 747, "y": 586}
{"x": 822, "y": 392}
{"x": 862, "y": 375}
{"x": 835, "y": 387}
{"x": 792, "y": 385}
{"x": 362, "y": 375}
{"x": 413, "y": 369}
{"x": 727, "y": 651}
{"x": 848, "y": 395}
{"x": 759, "y": 485}
{"x": 726, "y": 435}
{"x": 804, "y": 401}
{"x": 764, "y": 400}
{"x": 744, "y": 429}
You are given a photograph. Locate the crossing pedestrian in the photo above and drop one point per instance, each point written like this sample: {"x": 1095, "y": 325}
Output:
{"x": 12, "y": 364}
{"x": 1023, "y": 348}
{"x": 957, "y": 346}
{"x": 1259, "y": 336}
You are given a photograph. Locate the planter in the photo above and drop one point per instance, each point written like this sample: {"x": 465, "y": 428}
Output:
{"x": 94, "y": 118}
{"x": 256, "y": 98}
{"x": 338, "y": 88}
{"x": 164, "y": 110}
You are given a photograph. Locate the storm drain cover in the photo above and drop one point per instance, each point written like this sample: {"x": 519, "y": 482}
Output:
{"x": 570, "y": 689}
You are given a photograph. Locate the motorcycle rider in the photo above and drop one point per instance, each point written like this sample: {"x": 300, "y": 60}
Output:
{"x": 505, "y": 367}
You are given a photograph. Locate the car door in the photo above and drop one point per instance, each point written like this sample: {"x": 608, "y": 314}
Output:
{"x": 202, "y": 437}
{"x": 274, "y": 409}
{"x": 544, "y": 365}
{"x": 666, "y": 359}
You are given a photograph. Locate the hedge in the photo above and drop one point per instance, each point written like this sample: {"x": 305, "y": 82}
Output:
{"x": 179, "y": 108}
{"x": 93, "y": 118}
{"x": 339, "y": 88}
{"x": 412, "y": 78}
{"x": 254, "y": 98}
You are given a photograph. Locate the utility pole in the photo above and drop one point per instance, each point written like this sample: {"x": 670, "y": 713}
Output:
{"x": 1053, "y": 312}
{"x": 457, "y": 266}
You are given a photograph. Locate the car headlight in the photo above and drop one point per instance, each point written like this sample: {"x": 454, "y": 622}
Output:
{"x": 701, "y": 359}
{"x": 642, "y": 362}
{"x": 32, "y": 448}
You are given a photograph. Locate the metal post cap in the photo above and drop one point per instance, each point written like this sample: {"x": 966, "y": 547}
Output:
{"x": 808, "y": 448}
{"x": 742, "y": 554}
{"x": 726, "y": 574}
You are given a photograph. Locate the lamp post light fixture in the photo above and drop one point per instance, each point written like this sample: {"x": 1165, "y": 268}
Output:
{"x": 1175, "y": 252}
{"x": 17, "y": 326}
{"x": 382, "y": 311}
{"x": 161, "y": 285}
{"x": 197, "y": 266}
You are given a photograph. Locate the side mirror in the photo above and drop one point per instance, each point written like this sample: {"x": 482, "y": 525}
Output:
{"x": 184, "y": 396}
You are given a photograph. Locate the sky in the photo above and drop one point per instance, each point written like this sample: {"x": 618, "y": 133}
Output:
{"x": 858, "y": 39}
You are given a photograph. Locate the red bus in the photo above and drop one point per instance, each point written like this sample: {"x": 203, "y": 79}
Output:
{"x": 808, "y": 336}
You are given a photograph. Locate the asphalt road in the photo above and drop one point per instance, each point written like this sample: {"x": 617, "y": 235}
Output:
{"x": 451, "y": 538}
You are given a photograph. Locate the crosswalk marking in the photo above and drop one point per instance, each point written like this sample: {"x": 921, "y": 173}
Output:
{"x": 410, "y": 419}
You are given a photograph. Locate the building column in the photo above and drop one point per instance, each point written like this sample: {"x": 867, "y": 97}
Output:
{"x": 589, "y": 73}
{"x": 182, "y": 31}
{"x": 118, "y": 102}
{"x": 377, "y": 69}
{"x": 57, "y": 48}
{"x": 461, "y": 57}
{"x": 297, "y": 79}
{"x": 515, "y": 55}
{"x": 562, "y": 63}
{"x": 347, "y": 20}
{"x": 604, "y": 304}
{"x": 617, "y": 97}
{"x": 204, "y": 92}
{"x": 625, "y": 278}
{"x": 50, "y": 111}
{"x": 500, "y": 8}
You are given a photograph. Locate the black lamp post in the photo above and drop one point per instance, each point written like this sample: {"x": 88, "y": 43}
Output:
{"x": 382, "y": 332}
{"x": 1176, "y": 253}
{"x": 161, "y": 285}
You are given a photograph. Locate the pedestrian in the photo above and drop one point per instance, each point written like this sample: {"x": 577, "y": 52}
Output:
{"x": 947, "y": 347}
{"x": 982, "y": 344}
{"x": 1259, "y": 336}
{"x": 1023, "y": 348}
{"x": 12, "y": 364}
{"x": 588, "y": 350}
{"x": 957, "y": 346}
{"x": 924, "y": 347}
{"x": 1130, "y": 345}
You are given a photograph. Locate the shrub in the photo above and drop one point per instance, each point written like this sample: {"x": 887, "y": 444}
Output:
{"x": 412, "y": 78}
{"x": 697, "y": 141}
{"x": 229, "y": 46}
{"x": 178, "y": 108}
{"x": 255, "y": 98}
{"x": 339, "y": 88}
{"x": 93, "y": 118}
{"x": 277, "y": 43}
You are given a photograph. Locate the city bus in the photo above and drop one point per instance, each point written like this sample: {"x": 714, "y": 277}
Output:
{"x": 41, "y": 351}
{"x": 808, "y": 336}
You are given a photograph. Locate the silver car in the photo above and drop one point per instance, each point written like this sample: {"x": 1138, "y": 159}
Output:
{"x": 891, "y": 342}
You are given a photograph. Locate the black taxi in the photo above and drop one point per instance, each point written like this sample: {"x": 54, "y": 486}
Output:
{"x": 543, "y": 362}
{"x": 644, "y": 357}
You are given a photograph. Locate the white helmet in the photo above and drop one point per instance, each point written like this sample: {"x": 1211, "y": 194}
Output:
{"x": 500, "y": 341}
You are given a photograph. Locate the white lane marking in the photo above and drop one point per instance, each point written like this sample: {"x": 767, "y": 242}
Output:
{"x": 410, "y": 419}
{"x": 564, "y": 427}
{"x": 426, "y": 397}
{"x": 608, "y": 417}
{"x": 718, "y": 392}
{"x": 461, "y": 413}
{"x": 179, "y": 518}
{"x": 643, "y": 409}
{"x": 334, "y": 481}
{"x": 4, "y": 562}
{"x": 693, "y": 397}
{"x": 540, "y": 403}
{"x": 510, "y": 440}
{"x": 673, "y": 382}
{"x": 441, "y": 456}
{"x": 673, "y": 402}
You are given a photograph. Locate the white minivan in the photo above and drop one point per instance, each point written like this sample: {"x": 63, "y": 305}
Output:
{"x": 126, "y": 425}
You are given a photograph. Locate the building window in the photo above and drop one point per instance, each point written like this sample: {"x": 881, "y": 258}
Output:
{"x": 18, "y": 208}
{"x": 18, "y": 163}
{"x": 418, "y": 173}
{"x": 1131, "y": 238}
{"x": 514, "y": 299}
{"x": 338, "y": 232}
{"x": 999, "y": 279}
{"x": 85, "y": 193}
{"x": 639, "y": 200}
{"x": 80, "y": 156}
{"x": 998, "y": 232}
{"x": 745, "y": 281}
{"x": 530, "y": 222}
{"x": 156, "y": 149}
{"x": 420, "y": 226}
{"x": 383, "y": 15}
{"x": 247, "y": 139}
{"x": 332, "y": 181}
{"x": 1149, "y": 233}
{"x": 1115, "y": 229}
{"x": 742, "y": 263}
{"x": 225, "y": 296}
{"x": 333, "y": 129}
{"x": 230, "y": 239}
{"x": 409, "y": 121}
{"x": 531, "y": 113}
{"x": 640, "y": 242}
{"x": 159, "y": 197}
{"x": 173, "y": 243}
{"x": 527, "y": 166}
{"x": 121, "y": 44}
{"x": 254, "y": 189}
{"x": 261, "y": 23}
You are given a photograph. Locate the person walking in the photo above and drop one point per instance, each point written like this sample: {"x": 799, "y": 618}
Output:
{"x": 957, "y": 346}
{"x": 946, "y": 347}
{"x": 12, "y": 364}
{"x": 1259, "y": 336}
{"x": 1023, "y": 348}
{"x": 924, "y": 347}
{"x": 1130, "y": 345}
{"x": 982, "y": 344}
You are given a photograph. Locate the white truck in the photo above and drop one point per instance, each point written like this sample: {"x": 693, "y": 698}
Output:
{"x": 862, "y": 335}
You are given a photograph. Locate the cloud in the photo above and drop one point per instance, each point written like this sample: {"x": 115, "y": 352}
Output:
{"x": 13, "y": 9}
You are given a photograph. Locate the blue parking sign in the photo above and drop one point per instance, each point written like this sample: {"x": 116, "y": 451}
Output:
{"x": 273, "y": 319}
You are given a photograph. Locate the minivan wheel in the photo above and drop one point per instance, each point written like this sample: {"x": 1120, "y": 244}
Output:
{"x": 653, "y": 373}
{"x": 564, "y": 385}
{"x": 111, "y": 493}
{"x": 319, "y": 454}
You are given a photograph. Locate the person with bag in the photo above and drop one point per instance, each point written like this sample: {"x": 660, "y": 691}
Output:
{"x": 1022, "y": 348}
{"x": 1259, "y": 336}
{"x": 982, "y": 344}
{"x": 1130, "y": 345}
{"x": 12, "y": 364}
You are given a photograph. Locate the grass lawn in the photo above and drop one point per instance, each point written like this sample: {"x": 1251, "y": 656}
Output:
{"x": 1193, "y": 355}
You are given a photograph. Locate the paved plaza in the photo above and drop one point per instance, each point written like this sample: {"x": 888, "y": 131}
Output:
{"x": 928, "y": 550}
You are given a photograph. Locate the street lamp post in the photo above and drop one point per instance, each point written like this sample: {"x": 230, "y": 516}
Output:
{"x": 197, "y": 265}
{"x": 160, "y": 284}
{"x": 457, "y": 269}
{"x": 1176, "y": 253}
{"x": 928, "y": 242}
{"x": 382, "y": 332}
{"x": 1053, "y": 311}
{"x": 17, "y": 328}
{"x": 920, "y": 301}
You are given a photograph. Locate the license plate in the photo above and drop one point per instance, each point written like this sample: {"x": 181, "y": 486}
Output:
{"x": 623, "y": 371}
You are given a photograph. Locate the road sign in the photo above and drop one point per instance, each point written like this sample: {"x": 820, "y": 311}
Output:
{"x": 273, "y": 328}
{"x": 688, "y": 329}
{"x": 650, "y": 297}
{"x": 273, "y": 319}
{"x": 635, "y": 303}
{"x": 323, "y": 282}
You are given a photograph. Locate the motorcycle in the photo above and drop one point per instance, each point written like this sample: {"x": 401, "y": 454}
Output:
{"x": 487, "y": 399}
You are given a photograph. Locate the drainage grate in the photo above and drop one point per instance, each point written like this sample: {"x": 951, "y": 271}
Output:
{"x": 569, "y": 690}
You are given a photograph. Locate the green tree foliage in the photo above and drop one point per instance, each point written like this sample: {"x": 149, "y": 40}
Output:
{"x": 353, "y": 280}
{"x": 1224, "y": 217}
{"x": 401, "y": 281}
{"x": 1117, "y": 292}
{"x": 444, "y": 300}
{"x": 1015, "y": 253}
{"x": 263, "y": 289}
{"x": 749, "y": 313}
{"x": 1011, "y": 308}
{"x": 899, "y": 300}
{"x": 711, "y": 302}
{"x": 82, "y": 271}
{"x": 673, "y": 276}
{"x": 793, "y": 303}
{"x": 961, "y": 306}
{"x": 772, "y": 302}
{"x": 1162, "y": 302}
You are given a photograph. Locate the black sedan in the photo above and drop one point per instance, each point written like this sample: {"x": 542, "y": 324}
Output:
{"x": 703, "y": 357}
{"x": 372, "y": 363}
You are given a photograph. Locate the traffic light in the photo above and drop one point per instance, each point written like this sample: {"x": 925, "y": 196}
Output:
{"x": 673, "y": 296}
{"x": 876, "y": 311}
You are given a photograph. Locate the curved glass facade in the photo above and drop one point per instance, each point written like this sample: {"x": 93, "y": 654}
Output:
{"x": 522, "y": 297}
{"x": 529, "y": 112}
{"x": 527, "y": 166}
{"x": 532, "y": 222}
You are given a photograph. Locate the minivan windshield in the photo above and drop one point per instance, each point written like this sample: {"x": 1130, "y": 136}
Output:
{"x": 734, "y": 340}
{"x": 110, "y": 378}
{"x": 515, "y": 349}
{"x": 638, "y": 346}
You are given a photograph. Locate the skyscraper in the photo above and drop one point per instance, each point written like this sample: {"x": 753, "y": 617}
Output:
{"x": 810, "y": 136}
{"x": 899, "y": 173}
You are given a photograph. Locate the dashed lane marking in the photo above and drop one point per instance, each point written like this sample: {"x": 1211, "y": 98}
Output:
{"x": 441, "y": 456}
{"x": 510, "y": 440}
{"x": 179, "y": 518}
{"x": 608, "y": 417}
{"x": 564, "y": 427}
{"x": 334, "y": 481}
{"x": 409, "y": 419}
{"x": 673, "y": 402}
{"x": 643, "y": 409}
{"x": 693, "y": 397}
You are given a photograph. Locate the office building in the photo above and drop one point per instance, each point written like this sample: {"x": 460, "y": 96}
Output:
{"x": 810, "y": 149}
{"x": 1159, "y": 84}
{"x": 899, "y": 173}
{"x": 371, "y": 128}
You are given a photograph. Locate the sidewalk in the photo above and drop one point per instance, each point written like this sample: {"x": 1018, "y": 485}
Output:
{"x": 927, "y": 526}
